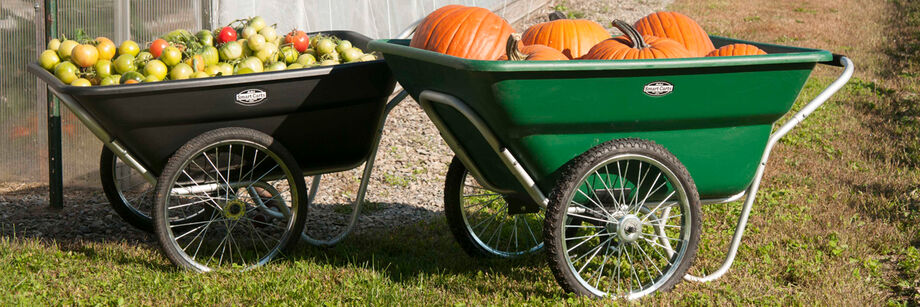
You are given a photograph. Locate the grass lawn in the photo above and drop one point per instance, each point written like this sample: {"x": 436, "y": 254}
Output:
{"x": 836, "y": 221}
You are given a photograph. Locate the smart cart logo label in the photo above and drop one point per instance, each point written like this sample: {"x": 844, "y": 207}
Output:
{"x": 658, "y": 88}
{"x": 251, "y": 97}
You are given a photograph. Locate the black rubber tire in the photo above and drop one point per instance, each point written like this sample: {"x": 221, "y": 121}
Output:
{"x": 126, "y": 211}
{"x": 202, "y": 141}
{"x": 569, "y": 179}
{"x": 453, "y": 188}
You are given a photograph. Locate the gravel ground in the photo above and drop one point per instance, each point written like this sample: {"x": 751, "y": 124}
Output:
{"x": 406, "y": 186}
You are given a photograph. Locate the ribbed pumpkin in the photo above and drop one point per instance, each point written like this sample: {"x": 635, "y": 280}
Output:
{"x": 737, "y": 50}
{"x": 634, "y": 46}
{"x": 572, "y": 37}
{"x": 461, "y": 31}
{"x": 678, "y": 27}
{"x": 515, "y": 52}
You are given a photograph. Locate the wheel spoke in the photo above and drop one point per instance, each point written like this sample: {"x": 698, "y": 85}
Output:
{"x": 658, "y": 206}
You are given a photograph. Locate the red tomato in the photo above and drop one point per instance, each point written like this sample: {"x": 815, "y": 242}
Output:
{"x": 299, "y": 39}
{"x": 227, "y": 34}
{"x": 157, "y": 46}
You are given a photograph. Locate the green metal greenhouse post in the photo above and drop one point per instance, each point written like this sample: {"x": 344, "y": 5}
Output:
{"x": 55, "y": 166}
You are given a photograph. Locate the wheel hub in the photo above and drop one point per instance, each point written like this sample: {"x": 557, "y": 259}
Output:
{"x": 234, "y": 209}
{"x": 629, "y": 228}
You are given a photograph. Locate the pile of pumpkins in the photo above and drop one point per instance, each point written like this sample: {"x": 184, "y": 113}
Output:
{"x": 477, "y": 33}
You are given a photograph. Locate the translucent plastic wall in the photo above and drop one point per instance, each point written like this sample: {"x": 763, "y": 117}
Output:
{"x": 374, "y": 18}
{"x": 23, "y": 140}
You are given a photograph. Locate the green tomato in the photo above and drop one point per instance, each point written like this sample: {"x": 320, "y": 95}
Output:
{"x": 269, "y": 33}
{"x": 211, "y": 55}
{"x": 351, "y": 55}
{"x": 103, "y": 68}
{"x": 328, "y": 62}
{"x": 49, "y": 59}
{"x": 368, "y": 58}
{"x": 81, "y": 82}
{"x": 199, "y": 75}
{"x": 256, "y": 42}
{"x": 142, "y": 58}
{"x": 171, "y": 56}
{"x": 231, "y": 51}
{"x": 248, "y": 32}
{"x": 212, "y": 70}
{"x": 150, "y": 79}
{"x": 66, "y": 72}
{"x": 129, "y": 47}
{"x": 124, "y": 63}
{"x": 181, "y": 72}
{"x": 343, "y": 45}
{"x": 252, "y": 63}
{"x": 110, "y": 80}
{"x": 66, "y": 48}
{"x": 269, "y": 54}
{"x": 243, "y": 71}
{"x": 156, "y": 68}
{"x": 176, "y": 34}
{"x": 257, "y": 23}
{"x": 246, "y": 51}
{"x": 225, "y": 69}
{"x": 205, "y": 37}
{"x": 289, "y": 54}
{"x": 132, "y": 75}
{"x": 54, "y": 44}
{"x": 295, "y": 66}
{"x": 325, "y": 46}
{"x": 306, "y": 59}
{"x": 276, "y": 66}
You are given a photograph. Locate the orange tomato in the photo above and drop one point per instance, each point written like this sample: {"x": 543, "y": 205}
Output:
{"x": 106, "y": 48}
{"x": 85, "y": 55}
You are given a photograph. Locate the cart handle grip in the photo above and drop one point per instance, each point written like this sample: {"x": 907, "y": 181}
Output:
{"x": 837, "y": 61}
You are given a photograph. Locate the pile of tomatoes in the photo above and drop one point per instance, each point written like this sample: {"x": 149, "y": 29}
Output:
{"x": 243, "y": 47}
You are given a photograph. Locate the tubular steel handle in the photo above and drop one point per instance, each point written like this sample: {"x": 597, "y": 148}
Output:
{"x": 774, "y": 138}
{"x": 410, "y": 30}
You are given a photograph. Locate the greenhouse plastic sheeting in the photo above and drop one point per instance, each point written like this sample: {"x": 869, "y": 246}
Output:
{"x": 375, "y": 18}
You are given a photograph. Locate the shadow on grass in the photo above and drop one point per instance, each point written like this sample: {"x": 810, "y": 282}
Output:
{"x": 419, "y": 247}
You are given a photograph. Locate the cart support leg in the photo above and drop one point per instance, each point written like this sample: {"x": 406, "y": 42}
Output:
{"x": 752, "y": 190}
{"x": 365, "y": 177}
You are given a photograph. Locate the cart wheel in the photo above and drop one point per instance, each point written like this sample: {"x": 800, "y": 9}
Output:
{"x": 636, "y": 215}
{"x": 251, "y": 191}
{"x": 480, "y": 221}
{"x": 129, "y": 194}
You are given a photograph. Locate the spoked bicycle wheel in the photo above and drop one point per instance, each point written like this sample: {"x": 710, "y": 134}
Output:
{"x": 129, "y": 194}
{"x": 229, "y": 198}
{"x": 623, "y": 221}
{"x": 481, "y": 222}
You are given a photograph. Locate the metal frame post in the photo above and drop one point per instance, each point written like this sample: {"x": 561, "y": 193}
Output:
{"x": 55, "y": 144}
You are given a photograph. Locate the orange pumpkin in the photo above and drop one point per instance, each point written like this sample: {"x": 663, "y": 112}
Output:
{"x": 736, "y": 50}
{"x": 634, "y": 46}
{"x": 461, "y": 31}
{"x": 516, "y": 52}
{"x": 678, "y": 27}
{"x": 572, "y": 37}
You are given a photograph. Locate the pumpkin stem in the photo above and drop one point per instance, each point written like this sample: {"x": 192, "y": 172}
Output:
{"x": 634, "y": 36}
{"x": 556, "y": 15}
{"x": 511, "y": 49}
